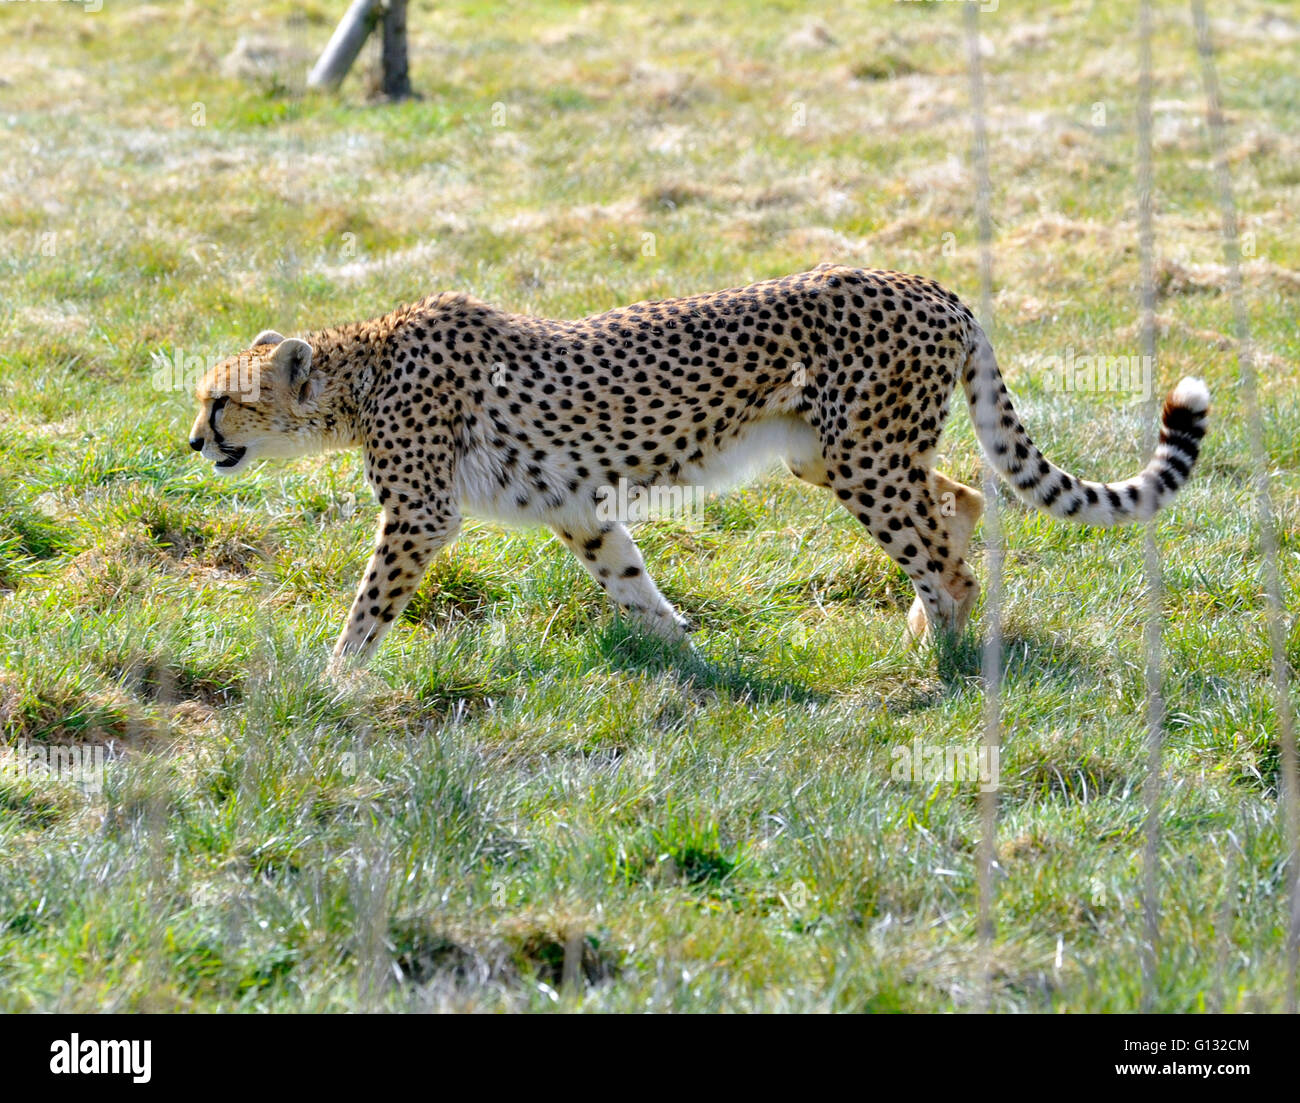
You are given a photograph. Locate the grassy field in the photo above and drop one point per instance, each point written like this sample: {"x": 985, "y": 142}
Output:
{"x": 529, "y": 806}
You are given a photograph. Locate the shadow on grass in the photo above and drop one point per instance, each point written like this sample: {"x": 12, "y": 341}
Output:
{"x": 1028, "y": 659}
{"x": 624, "y": 647}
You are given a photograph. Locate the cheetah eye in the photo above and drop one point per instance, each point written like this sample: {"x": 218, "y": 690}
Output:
{"x": 218, "y": 408}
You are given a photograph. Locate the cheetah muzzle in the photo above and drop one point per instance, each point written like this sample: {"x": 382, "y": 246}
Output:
{"x": 844, "y": 373}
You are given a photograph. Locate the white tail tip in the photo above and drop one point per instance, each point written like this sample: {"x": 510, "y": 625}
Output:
{"x": 1192, "y": 394}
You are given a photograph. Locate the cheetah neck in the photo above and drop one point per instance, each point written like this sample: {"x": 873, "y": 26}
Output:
{"x": 346, "y": 355}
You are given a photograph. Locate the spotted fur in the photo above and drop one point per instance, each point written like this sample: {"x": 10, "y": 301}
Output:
{"x": 845, "y": 373}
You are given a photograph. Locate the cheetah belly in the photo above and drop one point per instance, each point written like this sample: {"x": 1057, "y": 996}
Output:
{"x": 482, "y": 492}
{"x": 783, "y": 437}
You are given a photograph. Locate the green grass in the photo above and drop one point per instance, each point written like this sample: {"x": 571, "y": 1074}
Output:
{"x": 527, "y": 805}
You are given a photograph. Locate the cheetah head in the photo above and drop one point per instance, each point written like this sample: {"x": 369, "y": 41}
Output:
{"x": 261, "y": 404}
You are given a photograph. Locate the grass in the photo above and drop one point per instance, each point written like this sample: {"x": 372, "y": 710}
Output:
{"x": 526, "y": 805}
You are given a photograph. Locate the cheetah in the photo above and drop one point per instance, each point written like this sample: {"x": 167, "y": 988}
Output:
{"x": 844, "y": 373}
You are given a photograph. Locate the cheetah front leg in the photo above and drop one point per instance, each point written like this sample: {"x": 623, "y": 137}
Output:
{"x": 408, "y": 538}
{"x": 607, "y": 550}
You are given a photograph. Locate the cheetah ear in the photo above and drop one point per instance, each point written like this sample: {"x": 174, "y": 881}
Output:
{"x": 266, "y": 337}
{"x": 292, "y": 361}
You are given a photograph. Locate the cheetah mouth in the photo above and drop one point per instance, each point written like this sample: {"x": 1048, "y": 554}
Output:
{"x": 233, "y": 456}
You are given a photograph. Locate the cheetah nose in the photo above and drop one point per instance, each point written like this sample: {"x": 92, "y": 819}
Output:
{"x": 196, "y": 443}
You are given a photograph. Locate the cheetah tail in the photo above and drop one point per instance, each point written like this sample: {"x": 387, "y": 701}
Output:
{"x": 1044, "y": 485}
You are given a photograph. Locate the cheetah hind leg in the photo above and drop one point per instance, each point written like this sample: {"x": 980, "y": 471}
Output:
{"x": 612, "y": 558}
{"x": 958, "y": 508}
{"x": 813, "y": 470}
